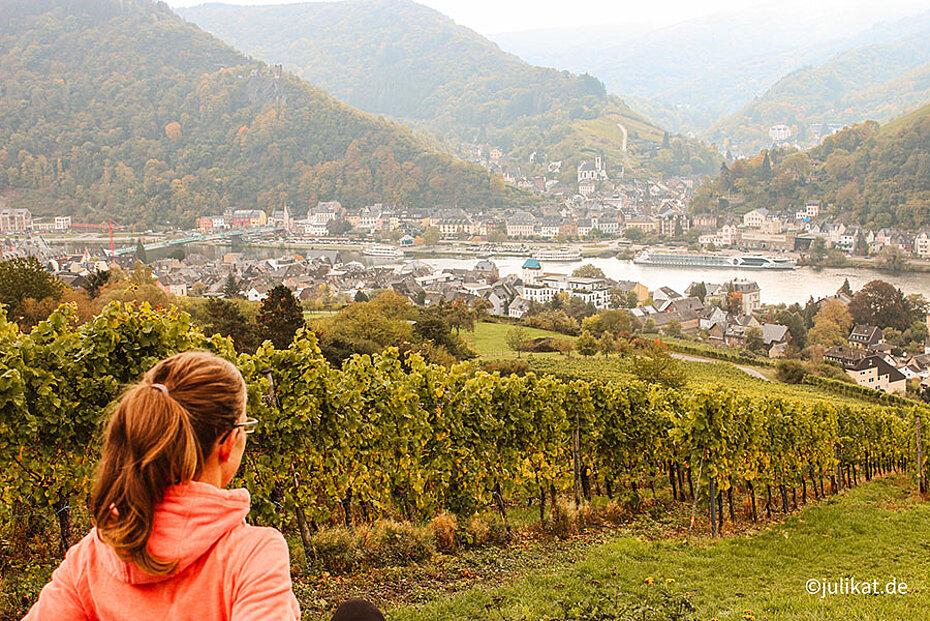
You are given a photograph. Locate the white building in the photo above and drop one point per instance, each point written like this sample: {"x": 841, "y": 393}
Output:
{"x": 755, "y": 218}
{"x": 728, "y": 235}
{"x": 62, "y": 223}
{"x": 779, "y": 133}
{"x": 521, "y": 225}
{"x": 15, "y": 220}
{"x": 922, "y": 244}
{"x": 324, "y": 213}
{"x": 593, "y": 290}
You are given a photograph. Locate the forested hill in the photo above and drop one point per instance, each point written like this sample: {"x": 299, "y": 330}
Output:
{"x": 877, "y": 81}
{"x": 872, "y": 175}
{"x": 120, "y": 108}
{"x": 411, "y": 63}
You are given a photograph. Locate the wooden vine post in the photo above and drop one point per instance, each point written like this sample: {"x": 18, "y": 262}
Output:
{"x": 920, "y": 459}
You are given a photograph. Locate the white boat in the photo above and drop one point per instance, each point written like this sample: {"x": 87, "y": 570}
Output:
{"x": 557, "y": 254}
{"x": 379, "y": 250}
{"x": 741, "y": 261}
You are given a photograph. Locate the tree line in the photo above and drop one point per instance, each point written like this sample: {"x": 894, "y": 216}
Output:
{"x": 866, "y": 174}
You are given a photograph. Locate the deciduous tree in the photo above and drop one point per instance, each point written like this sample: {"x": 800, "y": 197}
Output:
{"x": 880, "y": 304}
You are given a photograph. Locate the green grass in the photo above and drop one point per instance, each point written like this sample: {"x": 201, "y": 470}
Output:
{"x": 490, "y": 339}
{"x": 620, "y": 369}
{"x": 310, "y": 316}
{"x": 875, "y": 532}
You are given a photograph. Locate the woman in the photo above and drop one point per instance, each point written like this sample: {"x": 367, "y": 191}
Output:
{"x": 170, "y": 541}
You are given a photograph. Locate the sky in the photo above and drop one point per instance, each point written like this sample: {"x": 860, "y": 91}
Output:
{"x": 497, "y": 16}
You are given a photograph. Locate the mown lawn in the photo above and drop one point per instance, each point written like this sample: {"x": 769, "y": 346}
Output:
{"x": 875, "y": 532}
{"x": 490, "y": 339}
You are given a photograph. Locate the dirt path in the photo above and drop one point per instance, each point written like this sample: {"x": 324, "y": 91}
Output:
{"x": 748, "y": 370}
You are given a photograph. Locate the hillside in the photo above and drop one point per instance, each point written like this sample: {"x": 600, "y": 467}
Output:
{"x": 877, "y": 81}
{"x": 120, "y": 108}
{"x": 871, "y": 175}
{"x": 690, "y": 75}
{"x": 408, "y": 62}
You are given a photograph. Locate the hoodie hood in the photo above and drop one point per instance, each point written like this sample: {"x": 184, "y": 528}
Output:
{"x": 191, "y": 518}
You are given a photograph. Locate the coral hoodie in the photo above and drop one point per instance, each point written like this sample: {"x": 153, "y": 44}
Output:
{"x": 227, "y": 570}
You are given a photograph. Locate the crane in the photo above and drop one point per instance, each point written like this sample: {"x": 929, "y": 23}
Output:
{"x": 109, "y": 226}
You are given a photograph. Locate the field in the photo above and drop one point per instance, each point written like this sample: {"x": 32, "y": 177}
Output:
{"x": 490, "y": 339}
{"x": 727, "y": 374}
{"x": 875, "y": 532}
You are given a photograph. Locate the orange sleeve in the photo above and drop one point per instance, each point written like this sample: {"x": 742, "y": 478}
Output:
{"x": 263, "y": 585}
{"x": 59, "y": 599}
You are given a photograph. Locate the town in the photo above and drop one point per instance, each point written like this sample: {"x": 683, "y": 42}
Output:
{"x": 600, "y": 206}
{"x": 326, "y": 243}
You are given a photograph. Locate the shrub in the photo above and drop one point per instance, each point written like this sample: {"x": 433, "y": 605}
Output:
{"x": 589, "y": 515}
{"x": 399, "y": 543}
{"x": 337, "y": 549}
{"x": 444, "y": 527}
{"x": 476, "y": 531}
{"x": 831, "y": 371}
{"x": 790, "y": 371}
{"x": 496, "y": 530}
{"x": 543, "y": 344}
{"x": 486, "y": 529}
{"x": 563, "y": 520}
{"x": 614, "y": 513}
{"x": 506, "y": 367}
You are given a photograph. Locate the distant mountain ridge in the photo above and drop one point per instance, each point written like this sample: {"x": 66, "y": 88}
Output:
{"x": 411, "y": 63}
{"x": 120, "y": 108}
{"x": 878, "y": 81}
{"x": 691, "y": 75}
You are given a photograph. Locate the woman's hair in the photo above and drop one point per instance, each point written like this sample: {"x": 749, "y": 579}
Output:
{"x": 161, "y": 432}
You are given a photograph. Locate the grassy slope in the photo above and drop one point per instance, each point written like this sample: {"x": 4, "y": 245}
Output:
{"x": 906, "y": 121}
{"x": 877, "y": 531}
{"x": 490, "y": 339}
{"x": 699, "y": 374}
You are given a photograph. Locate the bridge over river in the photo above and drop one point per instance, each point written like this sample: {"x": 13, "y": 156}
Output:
{"x": 199, "y": 238}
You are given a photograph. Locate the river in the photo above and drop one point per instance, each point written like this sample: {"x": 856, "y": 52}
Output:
{"x": 776, "y": 286}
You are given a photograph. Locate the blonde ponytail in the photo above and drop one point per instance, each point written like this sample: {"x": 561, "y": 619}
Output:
{"x": 162, "y": 430}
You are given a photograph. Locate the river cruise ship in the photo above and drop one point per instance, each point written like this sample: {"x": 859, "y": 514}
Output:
{"x": 557, "y": 254}
{"x": 378, "y": 250}
{"x": 708, "y": 260}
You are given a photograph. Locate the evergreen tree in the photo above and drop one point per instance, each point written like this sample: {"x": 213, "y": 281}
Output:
{"x": 95, "y": 280}
{"x": 280, "y": 317}
{"x": 140, "y": 252}
{"x": 232, "y": 288}
{"x": 224, "y": 317}
{"x": 699, "y": 291}
{"x": 766, "y": 166}
{"x": 726, "y": 179}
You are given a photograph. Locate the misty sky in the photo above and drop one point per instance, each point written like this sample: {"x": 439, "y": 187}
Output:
{"x": 495, "y": 16}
